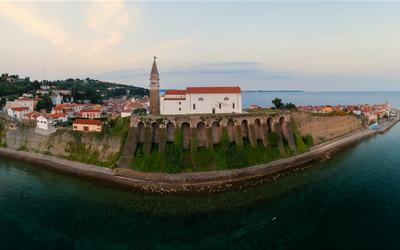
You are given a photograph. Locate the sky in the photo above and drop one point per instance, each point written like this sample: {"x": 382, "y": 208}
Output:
{"x": 311, "y": 46}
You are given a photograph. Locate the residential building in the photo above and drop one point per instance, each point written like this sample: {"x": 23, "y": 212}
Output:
{"x": 87, "y": 125}
{"x": 22, "y": 102}
{"x": 18, "y": 113}
{"x": 58, "y": 118}
{"x": 90, "y": 113}
{"x": 44, "y": 122}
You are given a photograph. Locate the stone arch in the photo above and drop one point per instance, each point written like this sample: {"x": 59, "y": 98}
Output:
{"x": 185, "y": 128}
{"x": 216, "y": 132}
{"x": 258, "y": 129}
{"x": 155, "y": 126}
{"x": 140, "y": 132}
{"x": 270, "y": 124}
{"x": 230, "y": 128}
{"x": 201, "y": 134}
{"x": 245, "y": 128}
{"x": 170, "y": 132}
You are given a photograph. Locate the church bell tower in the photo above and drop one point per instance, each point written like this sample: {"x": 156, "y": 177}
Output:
{"x": 154, "y": 90}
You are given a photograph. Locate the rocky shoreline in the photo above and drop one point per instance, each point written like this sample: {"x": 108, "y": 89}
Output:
{"x": 214, "y": 181}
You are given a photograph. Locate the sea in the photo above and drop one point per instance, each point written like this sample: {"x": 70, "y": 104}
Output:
{"x": 351, "y": 201}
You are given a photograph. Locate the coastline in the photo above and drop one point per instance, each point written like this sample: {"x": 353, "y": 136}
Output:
{"x": 201, "y": 182}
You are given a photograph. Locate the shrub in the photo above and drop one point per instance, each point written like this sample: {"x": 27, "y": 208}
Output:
{"x": 308, "y": 140}
{"x": 273, "y": 139}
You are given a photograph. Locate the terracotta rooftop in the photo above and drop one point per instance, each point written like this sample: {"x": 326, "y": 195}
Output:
{"x": 88, "y": 122}
{"x": 90, "y": 111}
{"x": 212, "y": 90}
{"x": 204, "y": 90}
{"x": 18, "y": 109}
{"x": 175, "y": 92}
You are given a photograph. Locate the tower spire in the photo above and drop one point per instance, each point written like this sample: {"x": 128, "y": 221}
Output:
{"x": 154, "y": 89}
{"x": 154, "y": 71}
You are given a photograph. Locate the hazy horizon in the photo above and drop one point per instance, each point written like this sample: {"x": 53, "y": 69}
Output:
{"x": 307, "y": 46}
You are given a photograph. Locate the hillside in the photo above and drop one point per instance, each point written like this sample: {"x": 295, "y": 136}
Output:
{"x": 82, "y": 89}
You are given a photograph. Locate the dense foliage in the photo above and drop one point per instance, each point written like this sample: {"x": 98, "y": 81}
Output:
{"x": 82, "y": 89}
{"x": 280, "y": 105}
{"x": 44, "y": 103}
{"x": 17, "y": 88}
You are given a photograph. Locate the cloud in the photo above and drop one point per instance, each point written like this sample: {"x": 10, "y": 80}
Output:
{"x": 30, "y": 20}
{"x": 108, "y": 21}
{"x": 105, "y": 21}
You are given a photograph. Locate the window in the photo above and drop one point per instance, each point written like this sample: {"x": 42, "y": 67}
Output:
{"x": 233, "y": 105}
{"x": 226, "y": 99}
{"x": 180, "y": 103}
{"x": 220, "y": 106}
{"x": 201, "y": 99}
{"x": 194, "y": 106}
{"x": 180, "y": 109}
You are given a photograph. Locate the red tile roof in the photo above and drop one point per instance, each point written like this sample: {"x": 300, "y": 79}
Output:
{"x": 56, "y": 115}
{"x": 212, "y": 90}
{"x": 18, "y": 109}
{"x": 175, "y": 92}
{"x": 204, "y": 90}
{"x": 88, "y": 122}
{"x": 32, "y": 114}
{"x": 90, "y": 111}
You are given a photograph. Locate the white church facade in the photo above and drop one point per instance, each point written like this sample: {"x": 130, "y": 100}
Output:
{"x": 202, "y": 100}
{"x": 193, "y": 100}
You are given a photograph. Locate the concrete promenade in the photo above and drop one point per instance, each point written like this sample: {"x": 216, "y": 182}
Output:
{"x": 213, "y": 181}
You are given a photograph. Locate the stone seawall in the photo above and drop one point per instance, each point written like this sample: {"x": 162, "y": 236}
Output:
{"x": 191, "y": 182}
{"x": 82, "y": 147}
{"x": 324, "y": 128}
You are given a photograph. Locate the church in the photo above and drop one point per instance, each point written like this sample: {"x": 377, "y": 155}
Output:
{"x": 193, "y": 100}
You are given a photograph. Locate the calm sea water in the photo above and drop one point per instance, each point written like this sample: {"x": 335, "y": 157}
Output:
{"x": 349, "y": 202}
{"x": 322, "y": 98}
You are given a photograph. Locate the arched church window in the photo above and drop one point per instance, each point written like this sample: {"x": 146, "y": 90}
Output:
{"x": 226, "y": 99}
{"x": 201, "y": 99}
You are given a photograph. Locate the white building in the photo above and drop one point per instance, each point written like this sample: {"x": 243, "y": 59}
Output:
{"x": 56, "y": 99}
{"x": 202, "y": 100}
{"x": 43, "y": 122}
{"x": 18, "y": 113}
{"x": 22, "y": 102}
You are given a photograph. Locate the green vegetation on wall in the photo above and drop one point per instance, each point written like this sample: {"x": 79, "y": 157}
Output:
{"x": 3, "y": 144}
{"x": 225, "y": 155}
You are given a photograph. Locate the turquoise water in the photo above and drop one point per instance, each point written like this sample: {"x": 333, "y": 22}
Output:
{"x": 350, "y": 202}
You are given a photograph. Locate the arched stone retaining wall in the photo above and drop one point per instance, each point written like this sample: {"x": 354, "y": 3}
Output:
{"x": 207, "y": 130}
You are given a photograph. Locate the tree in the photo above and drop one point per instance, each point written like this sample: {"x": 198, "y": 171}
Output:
{"x": 278, "y": 103}
{"x": 44, "y": 103}
{"x": 290, "y": 106}
{"x": 139, "y": 111}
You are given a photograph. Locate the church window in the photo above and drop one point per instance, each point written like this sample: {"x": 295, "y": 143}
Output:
{"x": 226, "y": 99}
{"x": 201, "y": 99}
{"x": 180, "y": 109}
{"x": 220, "y": 106}
{"x": 194, "y": 106}
{"x": 180, "y": 103}
{"x": 233, "y": 105}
